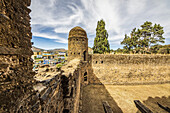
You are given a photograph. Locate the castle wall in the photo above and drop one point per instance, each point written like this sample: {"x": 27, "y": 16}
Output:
{"x": 20, "y": 89}
{"x": 16, "y": 76}
{"x": 56, "y": 91}
{"x": 130, "y": 69}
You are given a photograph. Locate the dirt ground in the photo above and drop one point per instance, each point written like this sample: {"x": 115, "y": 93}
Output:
{"x": 93, "y": 96}
{"x": 121, "y": 97}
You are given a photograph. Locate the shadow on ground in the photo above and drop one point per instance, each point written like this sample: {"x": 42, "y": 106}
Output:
{"x": 93, "y": 96}
{"x": 151, "y": 103}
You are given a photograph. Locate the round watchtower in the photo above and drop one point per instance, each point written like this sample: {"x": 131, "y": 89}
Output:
{"x": 77, "y": 44}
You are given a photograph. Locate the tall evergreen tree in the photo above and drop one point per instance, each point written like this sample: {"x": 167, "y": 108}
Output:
{"x": 101, "y": 44}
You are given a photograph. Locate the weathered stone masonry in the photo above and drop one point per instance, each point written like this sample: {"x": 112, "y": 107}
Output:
{"x": 19, "y": 92}
{"x": 78, "y": 44}
{"x": 61, "y": 91}
{"x": 131, "y": 69}
{"x": 16, "y": 76}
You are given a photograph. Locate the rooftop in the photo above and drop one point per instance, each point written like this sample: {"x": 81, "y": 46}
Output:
{"x": 77, "y": 32}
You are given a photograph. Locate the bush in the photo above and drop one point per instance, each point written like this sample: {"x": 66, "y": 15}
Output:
{"x": 59, "y": 65}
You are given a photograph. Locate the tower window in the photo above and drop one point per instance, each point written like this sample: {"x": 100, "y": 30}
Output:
{"x": 101, "y": 62}
{"x": 66, "y": 111}
{"x": 96, "y": 62}
{"x": 84, "y": 53}
{"x": 85, "y": 76}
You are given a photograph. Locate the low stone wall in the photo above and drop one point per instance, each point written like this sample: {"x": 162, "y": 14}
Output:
{"x": 131, "y": 69}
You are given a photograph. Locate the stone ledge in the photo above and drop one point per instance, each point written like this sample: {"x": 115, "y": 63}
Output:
{"x": 13, "y": 51}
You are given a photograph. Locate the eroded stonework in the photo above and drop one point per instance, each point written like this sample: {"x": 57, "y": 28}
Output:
{"x": 20, "y": 91}
{"x": 78, "y": 44}
{"x": 16, "y": 75}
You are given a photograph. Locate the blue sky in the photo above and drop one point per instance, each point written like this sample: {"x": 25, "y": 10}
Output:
{"x": 51, "y": 20}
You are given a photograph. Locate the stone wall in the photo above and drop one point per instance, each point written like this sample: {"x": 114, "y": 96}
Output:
{"x": 130, "y": 69}
{"x": 52, "y": 91}
{"x": 55, "y": 91}
{"x": 73, "y": 74}
{"x": 16, "y": 76}
{"x": 20, "y": 89}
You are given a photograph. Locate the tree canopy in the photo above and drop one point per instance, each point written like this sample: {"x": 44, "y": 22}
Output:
{"x": 140, "y": 40}
{"x": 101, "y": 44}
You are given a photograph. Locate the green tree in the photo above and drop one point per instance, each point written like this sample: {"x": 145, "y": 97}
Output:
{"x": 151, "y": 35}
{"x": 142, "y": 39}
{"x": 165, "y": 49}
{"x": 101, "y": 44}
{"x": 155, "y": 48}
{"x": 130, "y": 42}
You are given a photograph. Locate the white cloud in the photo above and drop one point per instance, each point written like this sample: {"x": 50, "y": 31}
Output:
{"x": 62, "y": 30}
{"x": 55, "y": 37}
{"x": 120, "y": 16}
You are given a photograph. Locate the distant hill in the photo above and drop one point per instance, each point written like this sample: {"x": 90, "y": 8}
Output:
{"x": 58, "y": 50}
{"x": 36, "y": 49}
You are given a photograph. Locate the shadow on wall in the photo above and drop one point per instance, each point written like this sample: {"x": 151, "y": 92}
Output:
{"x": 94, "y": 94}
{"x": 152, "y": 104}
